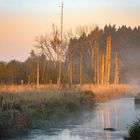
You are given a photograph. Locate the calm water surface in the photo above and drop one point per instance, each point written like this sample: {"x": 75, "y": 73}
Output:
{"x": 90, "y": 124}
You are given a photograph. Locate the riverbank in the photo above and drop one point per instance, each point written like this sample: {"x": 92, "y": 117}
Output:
{"x": 90, "y": 123}
{"x": 23, "y": 108}
{"x": 20, "y": 112}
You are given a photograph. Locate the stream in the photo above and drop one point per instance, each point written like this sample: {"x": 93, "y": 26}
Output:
{"x": 90, "y": 124}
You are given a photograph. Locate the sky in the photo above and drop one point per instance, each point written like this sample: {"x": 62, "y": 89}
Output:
{"x": 22, "y": 20}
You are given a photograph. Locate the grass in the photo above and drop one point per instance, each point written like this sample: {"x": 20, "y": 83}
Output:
{"x": 97, "y": 89}
{"x": 27, "y": 107}
{"x": 20, "y": 112}
{"x": 134, "y": 131}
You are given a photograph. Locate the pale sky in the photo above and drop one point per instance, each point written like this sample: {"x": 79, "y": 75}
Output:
{"x": 22, "y": 20}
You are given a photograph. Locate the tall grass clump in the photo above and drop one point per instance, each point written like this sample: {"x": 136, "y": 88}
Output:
{"x": 21, "y": 112}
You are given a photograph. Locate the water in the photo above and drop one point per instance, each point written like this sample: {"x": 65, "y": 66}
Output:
{"x": 90, "y": 124}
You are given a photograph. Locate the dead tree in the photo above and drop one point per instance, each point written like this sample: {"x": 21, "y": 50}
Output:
{"x": 97, "y": 64}
{"x": 117, "y": 73}
{"x": 82, "y": 32}
{"x": 37, "y": 76}
{"x": 60, "y": 49}
{"x": 81, "y": 67}
{"x": 49, "y": 45}
{"x": 70, "y": 67}
{"x": 44, "y": 70}
{"x": 102, "y": 68}
{"x": 108, "y": 60}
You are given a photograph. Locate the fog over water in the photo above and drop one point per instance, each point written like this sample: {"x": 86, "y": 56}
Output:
{"x": 90, "y": 124}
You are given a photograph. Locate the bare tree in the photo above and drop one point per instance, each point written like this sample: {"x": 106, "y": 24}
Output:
{"x": 50, "y": 45}
{"x": 117, "y": 73}
{"x": 82, "y": 31}
{"x": 70, "y": 60}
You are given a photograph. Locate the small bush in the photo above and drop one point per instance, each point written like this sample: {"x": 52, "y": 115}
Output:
{"x": 134, "y": 131}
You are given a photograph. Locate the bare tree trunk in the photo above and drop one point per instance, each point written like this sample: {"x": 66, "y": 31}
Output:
{"x": 98, "y": 64}
{"x": 92, "y": 57}
{"x": 60, "y": 69}
{"x": 106, "y": 63}
{"x": 108, "y": 59}
{"x": 33, "y": 78}
{"x": 92, "y": 61}
{"x": 43, "y": 75}
{"x": 95, "y": 66}
{"x": 70, "y": 68}
{"x": 117, "y": 73}
{"x": 81, "y": 67}
{"x": 29, "y": 79}
{"x": 60, "y": 65}
{"x": 102, "y": 69}
{"x": 37, "y": 74}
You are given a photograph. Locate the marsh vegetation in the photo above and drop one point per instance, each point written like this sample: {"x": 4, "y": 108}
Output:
{"x": 20, "y": 112}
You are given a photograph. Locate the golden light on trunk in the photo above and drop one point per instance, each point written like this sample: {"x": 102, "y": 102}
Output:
{"x": 102, "y": 69}
{"x": 108, "y": 59}
{"x": 95, "y": 65}
{"x": 37, "y": 73}
{"x": 81, "y": 67}
{"x": 70, "y": 67}
{"x": 98, "y": 63}
{"x": 117, "y": 73}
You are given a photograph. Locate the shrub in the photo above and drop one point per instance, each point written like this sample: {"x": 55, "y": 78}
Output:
{"x": 134, "y": 131}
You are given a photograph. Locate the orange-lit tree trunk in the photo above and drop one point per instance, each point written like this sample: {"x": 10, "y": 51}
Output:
{"x": 117, "y": 73}
{"x": 70, "y": 67}
{"x": 37, "y": 77}
{"x": 98, "y": 64}
{"x": 92, "y": 61}
{"x": 102, "y": 69}
{"x": 81, "y": 67}
{"x": 95, "y": 66}
{"x": 108, "y": 61}
{"x": 92, "y": 57}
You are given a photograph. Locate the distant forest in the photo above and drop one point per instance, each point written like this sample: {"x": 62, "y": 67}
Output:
{"x": 125, "y": 40}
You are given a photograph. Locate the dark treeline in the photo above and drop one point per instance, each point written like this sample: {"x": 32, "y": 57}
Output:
{"x": 78, "y": 57}
{"x": 16, "y": 72}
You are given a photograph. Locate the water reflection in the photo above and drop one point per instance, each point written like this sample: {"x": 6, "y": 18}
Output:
{"x": 90, "y": 124}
